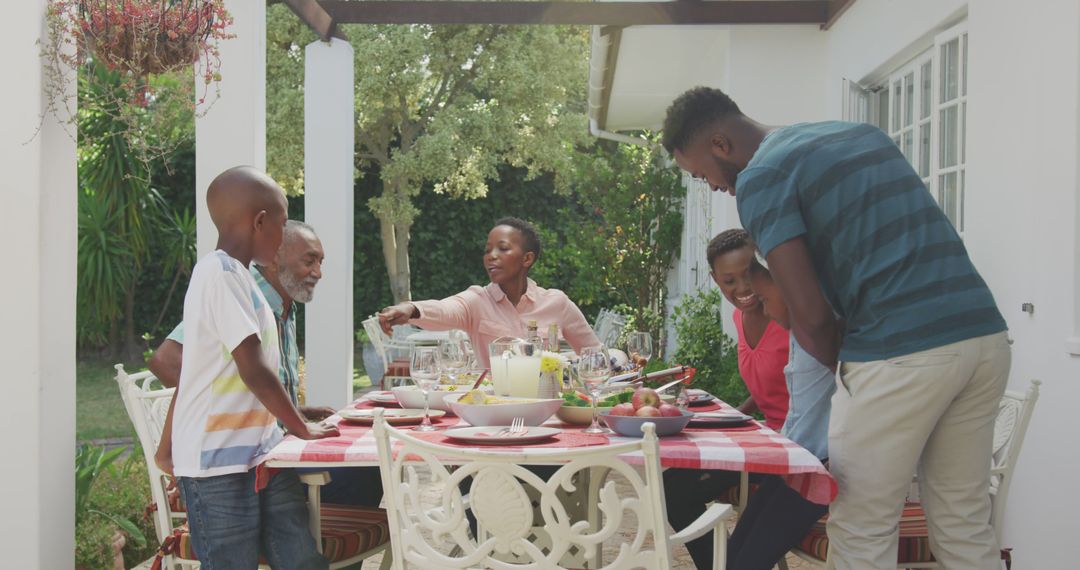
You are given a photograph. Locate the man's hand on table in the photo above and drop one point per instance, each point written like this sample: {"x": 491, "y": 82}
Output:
{"x": 317, "y": 413}
{"x": 316, "y": 430}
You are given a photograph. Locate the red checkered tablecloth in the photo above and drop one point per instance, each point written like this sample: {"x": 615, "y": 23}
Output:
{"x": 760, "y": 450}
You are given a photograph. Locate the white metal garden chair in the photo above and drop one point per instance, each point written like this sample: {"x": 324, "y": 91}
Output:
{"x": 608, "y": 326}
{"x": 393, "y": 351}
{"x": 429, "y": 528}
{"x": 1010, "y": 427}
{"x": 348, "y": 534}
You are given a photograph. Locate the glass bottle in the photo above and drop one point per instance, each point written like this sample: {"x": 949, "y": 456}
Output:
{"x": 553, "y": 338}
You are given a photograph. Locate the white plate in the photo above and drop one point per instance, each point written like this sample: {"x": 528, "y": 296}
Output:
{"x": 699, "y": 396}
{"x": 384, "y": 398}
{"x": 393, "y": 417}
{"x": 486, "y": 435}
{"x": 720, "y": 418}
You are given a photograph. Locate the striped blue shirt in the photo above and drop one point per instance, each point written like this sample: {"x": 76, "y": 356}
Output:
{"x": 888, "y": 260}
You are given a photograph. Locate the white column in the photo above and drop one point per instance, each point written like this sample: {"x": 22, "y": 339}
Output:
{"x": 38, "y": 339}
{"x": 328, "y": 206}
{"x": 233, "y": 131}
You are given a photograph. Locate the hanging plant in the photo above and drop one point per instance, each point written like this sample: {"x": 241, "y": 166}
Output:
{"x": 140, "y": 55}
{"x": 141, "y": 38}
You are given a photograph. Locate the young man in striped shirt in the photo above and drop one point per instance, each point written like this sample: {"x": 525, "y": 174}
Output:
{"x": 921, "y": 355}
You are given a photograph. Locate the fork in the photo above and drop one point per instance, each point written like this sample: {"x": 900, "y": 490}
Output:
{"x": 517, "y": 427}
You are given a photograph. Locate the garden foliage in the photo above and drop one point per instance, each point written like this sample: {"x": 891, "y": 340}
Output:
{"x": 704, "y": 345}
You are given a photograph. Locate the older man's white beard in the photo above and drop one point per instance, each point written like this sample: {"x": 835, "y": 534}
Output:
{"x": 301, "y": 291}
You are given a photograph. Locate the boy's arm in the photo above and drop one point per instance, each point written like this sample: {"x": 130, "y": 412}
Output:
{"x": 812, "y": 319}
{"x": 165, "y": 363}
{"x": 266, "y": 386}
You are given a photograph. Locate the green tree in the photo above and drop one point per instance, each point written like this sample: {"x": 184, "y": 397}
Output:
{"x": 439, "y": 104}
{"x": 634, "y": 197}
{"x": 119, "y": 212}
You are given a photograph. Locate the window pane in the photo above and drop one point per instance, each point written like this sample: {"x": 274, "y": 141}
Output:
{"x": 963, "y": 63}
{"x": 950, "y": 72}
{"x": 909, "y": 99}
{"x": 883, "y": 110}
{"x": 948, "y": 140}
{"x": 896, "y": 106}
{"x": 963, "y": 133}
{"x": 947, "y": 196}
{"x": 924, "y": 150}
{"x": 924, "y": 102}
{"x": 908, "y": 149}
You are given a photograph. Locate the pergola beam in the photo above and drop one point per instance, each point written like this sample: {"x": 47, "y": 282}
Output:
{"x": 835, "y": 9}
{"x": 312, "y": 14}
{"x": 576, "y": 13}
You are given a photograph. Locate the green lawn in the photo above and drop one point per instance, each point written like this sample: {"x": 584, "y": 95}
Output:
{"x": 99, "y": 412}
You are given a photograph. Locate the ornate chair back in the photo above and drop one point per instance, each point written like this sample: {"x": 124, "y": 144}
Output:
{"x": 427, "y": 511}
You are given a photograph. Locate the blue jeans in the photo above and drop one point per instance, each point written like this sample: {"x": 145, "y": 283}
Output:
{"x": 231, "y": 524}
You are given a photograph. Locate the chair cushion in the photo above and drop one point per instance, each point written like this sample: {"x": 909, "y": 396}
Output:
{"x": 398, "y": 367}
{"x": 347, "y": 531}
{"x": 914, "y": 540}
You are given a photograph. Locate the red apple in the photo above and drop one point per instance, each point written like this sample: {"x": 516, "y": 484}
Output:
{"x": 647, "y": 411}
{"x": 624, "y": 409}
{"x": 667, "y": 410}
{"x": 645, "y": 397}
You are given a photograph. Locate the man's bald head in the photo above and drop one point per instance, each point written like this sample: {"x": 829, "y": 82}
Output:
{"x": 239, "y": 193}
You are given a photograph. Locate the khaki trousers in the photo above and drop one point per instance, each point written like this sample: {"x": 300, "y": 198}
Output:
{"x": 931, "y": 411}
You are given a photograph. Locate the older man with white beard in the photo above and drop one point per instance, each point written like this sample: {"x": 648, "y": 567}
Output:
{"x": 289, "y": 280}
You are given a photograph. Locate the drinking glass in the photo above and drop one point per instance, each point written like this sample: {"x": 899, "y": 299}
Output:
{"x": 453, "y": 359}
{"x": 424, "y": 370}
{"x": 593, "y": 369}
{"x": 639, "y": 345}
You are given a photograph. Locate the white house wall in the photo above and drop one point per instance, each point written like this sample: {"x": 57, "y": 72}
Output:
{"x": 1022, "y": 212}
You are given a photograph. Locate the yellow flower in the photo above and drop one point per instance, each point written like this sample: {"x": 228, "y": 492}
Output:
{"x": 549, "y": 364}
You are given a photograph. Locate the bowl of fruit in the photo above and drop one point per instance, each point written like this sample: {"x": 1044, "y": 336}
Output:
{"x": 645, "y": 406}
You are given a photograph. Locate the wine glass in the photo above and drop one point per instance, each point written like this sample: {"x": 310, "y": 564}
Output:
{"x": 452, "y": 358}
{"x": 639, "y": 347}
{"x": 424, "y": 370}
{"x": 594, "y": 368}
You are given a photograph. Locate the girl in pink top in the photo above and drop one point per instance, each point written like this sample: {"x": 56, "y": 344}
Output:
{"x": 763, "y": 344}
{"x": 502, "y": 307}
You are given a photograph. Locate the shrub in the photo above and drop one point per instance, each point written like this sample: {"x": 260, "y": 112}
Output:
{"x": 118, "y": 491}
{"x": 703, "y": 345}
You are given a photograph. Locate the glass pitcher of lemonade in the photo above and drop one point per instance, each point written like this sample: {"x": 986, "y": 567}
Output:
{"x": 515, "y": 367}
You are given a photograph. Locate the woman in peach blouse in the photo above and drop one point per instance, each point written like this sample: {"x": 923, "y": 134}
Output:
{"x": 504, "y": 306}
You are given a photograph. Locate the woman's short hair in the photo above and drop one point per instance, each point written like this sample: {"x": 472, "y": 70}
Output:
{"x": 529, "y": 236}
{"x": 725, "y": 241}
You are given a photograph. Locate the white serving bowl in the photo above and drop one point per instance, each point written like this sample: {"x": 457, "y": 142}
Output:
{"x": 411, "y": 397}
{"x": 534, "y": 411}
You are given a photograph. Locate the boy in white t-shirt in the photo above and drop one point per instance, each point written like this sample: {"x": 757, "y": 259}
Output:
{"x": 229, "y": 399}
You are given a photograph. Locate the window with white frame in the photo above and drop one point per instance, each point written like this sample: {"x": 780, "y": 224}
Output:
{"x": 922, "y": 105}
